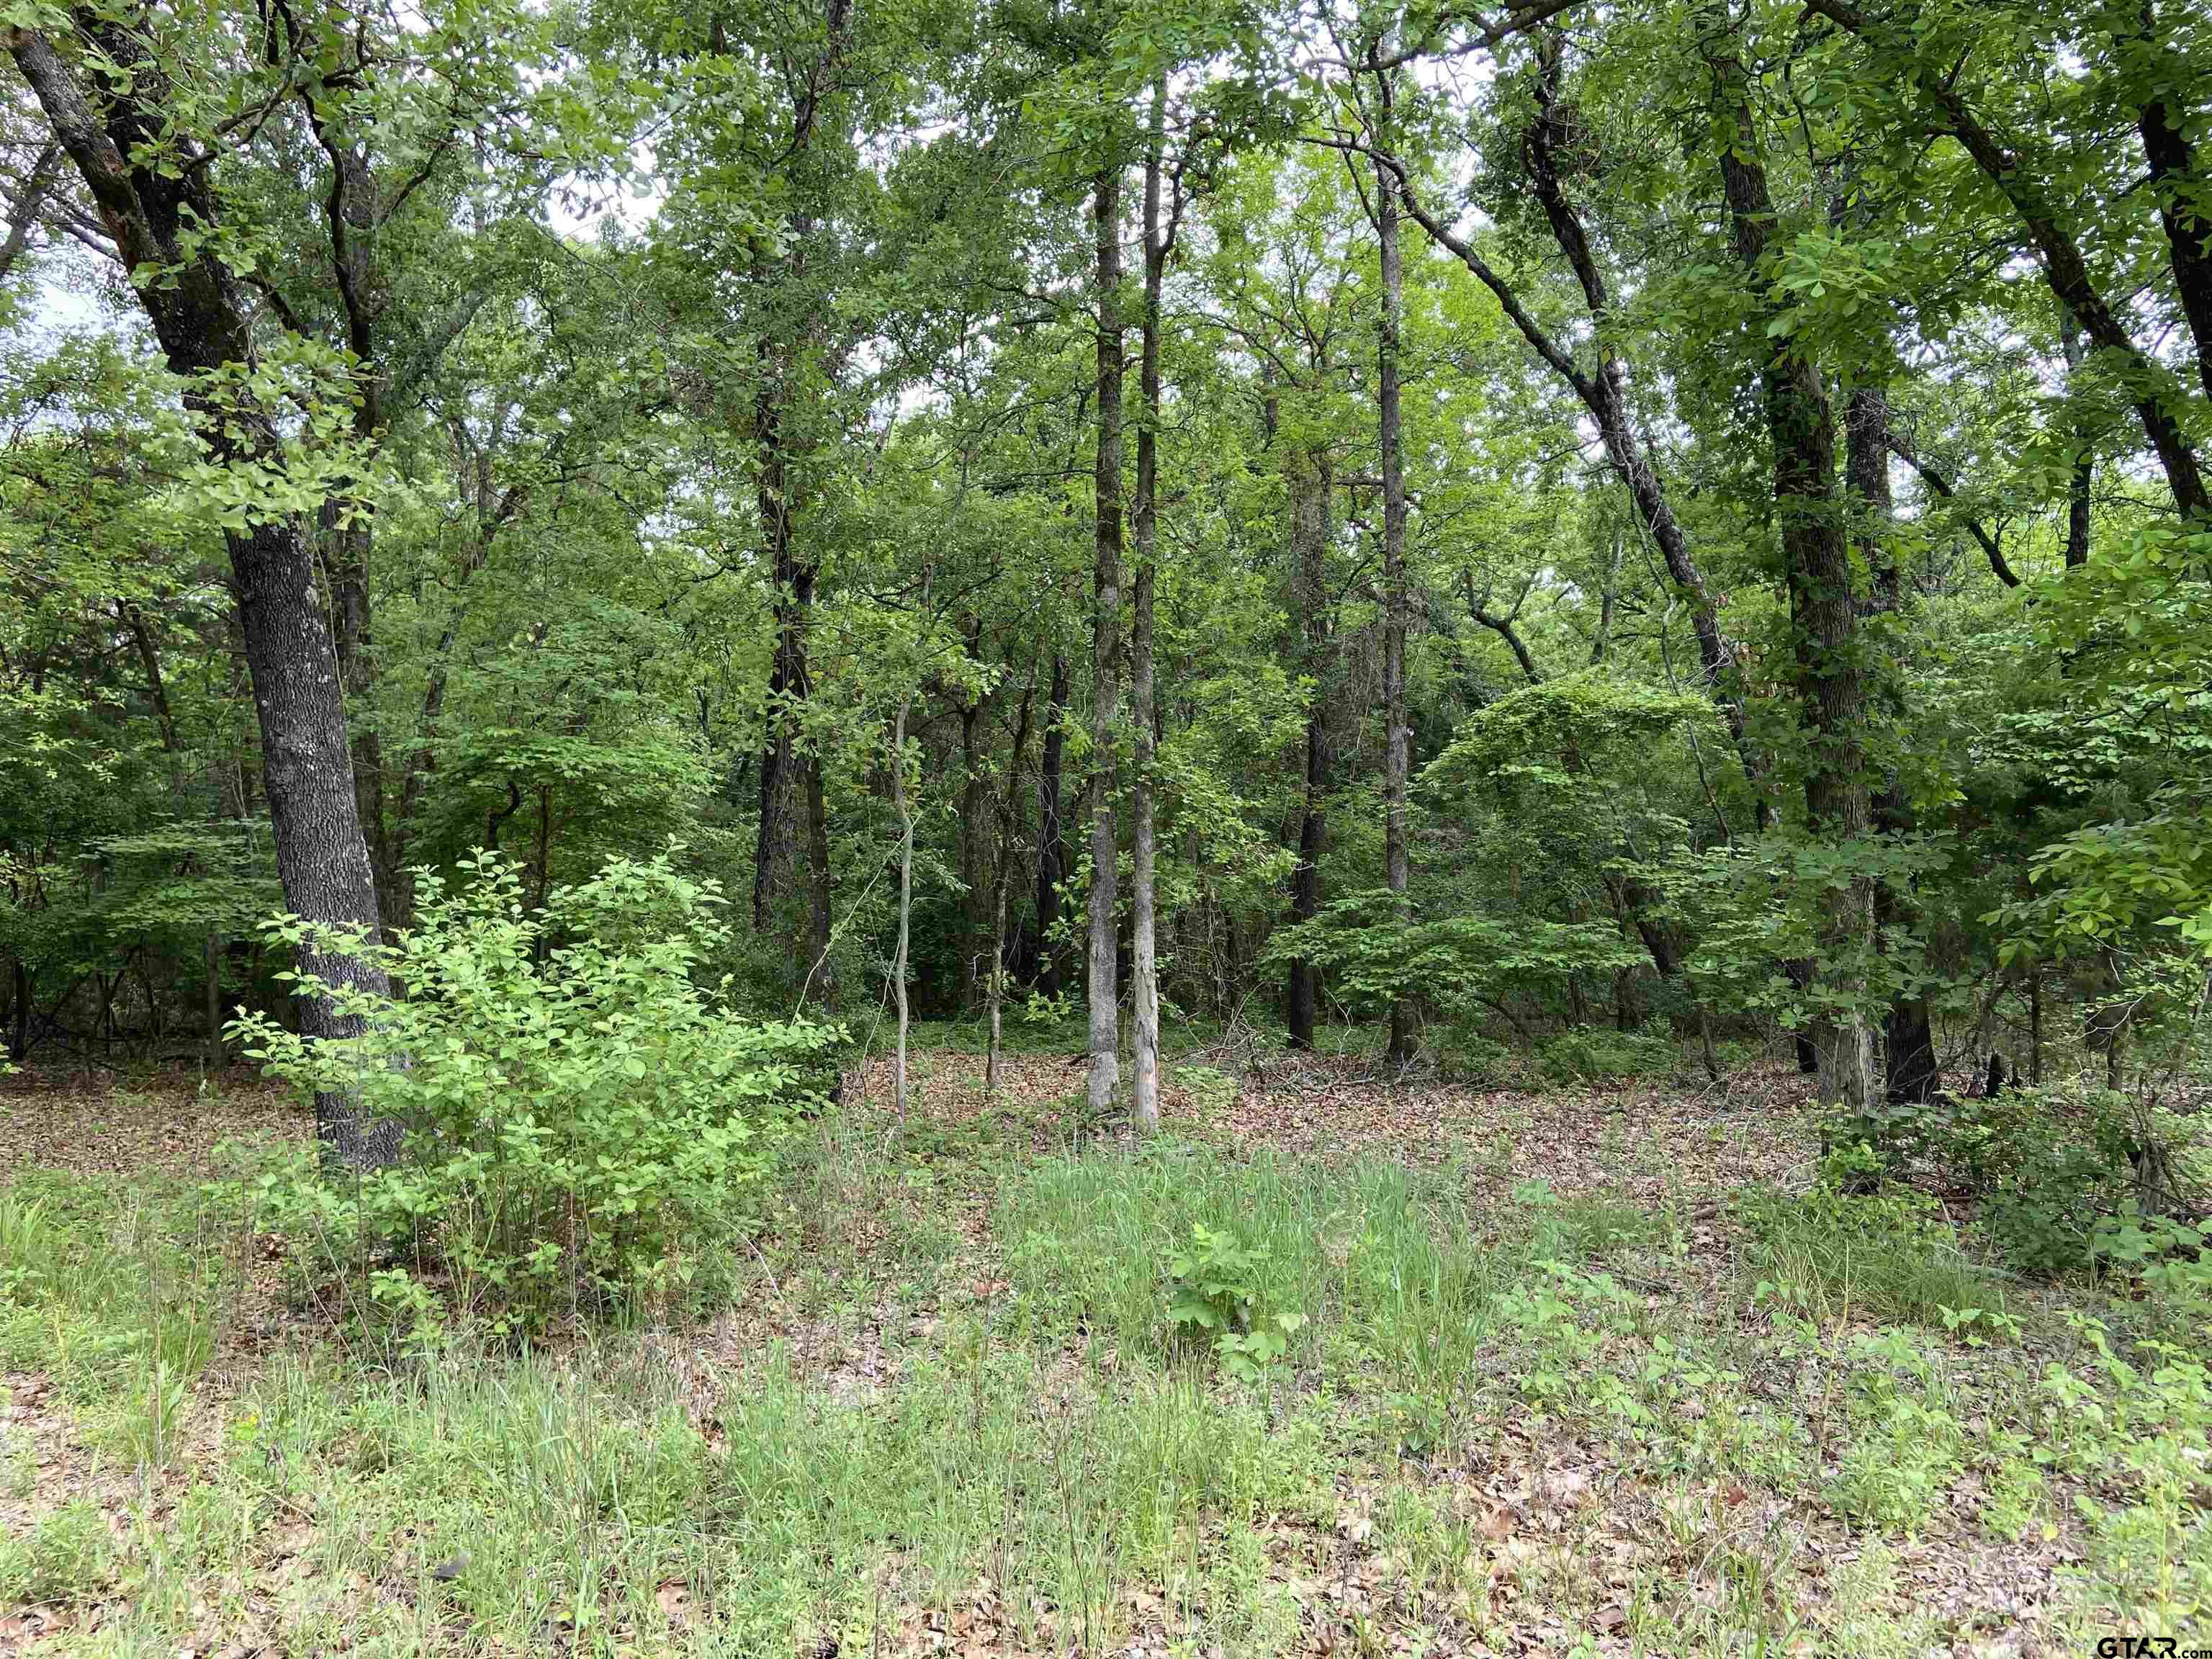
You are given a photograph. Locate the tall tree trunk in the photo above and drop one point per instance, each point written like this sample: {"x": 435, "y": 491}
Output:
{"x": 1051, "y": 860}
{"x": 1910, "y": 1069}
{"x": 1002, "y": 878}
{"x": 1106, "y": 653}
{"x": 204, "y": 324}
{"x": 213, "y": 959}
{"x": 1309, "y": 533}
{"x": 19, "y": 1000}
{"x": 2084, "y": 475}
{"x": 2184, "y": 201}
{"x": 1145, "y": 989}
{"x": 905, "y": 902}
{"x": 1398, "y": 744}
{"x": 1816, "y": 560}
{"x": 974, "y": 854}
{"x": 775, "y": 857}
{"x": 791, "y": 770}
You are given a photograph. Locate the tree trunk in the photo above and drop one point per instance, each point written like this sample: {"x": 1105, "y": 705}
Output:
{"x": 974, "y": 854}
{"x": 214, "y": 963}
{"x": 1002, "y": 878}
{"x": 1105, "y": 1076}
{"x": 1910, "y": 1072}
{"x": 1051, "y": 862}
{"x": 19, "y": 1029}
{"x": 1397, "y": 753}
{"x": 1816, "y": 560}
{"x": 1309, "y": 534}
{"x": 905, "y": 902}
{"x": 1144, "y": 988}
{"x": 774, "y": 853}
{"x": 2083, "y": 475}
{"x": 347, "y": 549}
{"x": 204, "y": 324}
{"x": 2184, "y": 208}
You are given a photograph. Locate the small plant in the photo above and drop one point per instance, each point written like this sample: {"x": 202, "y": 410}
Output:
{"x": 1828, "y": 1252}
{"x": 1217, "y": 1291}
{"x": 68, "y": 1557}
{"x": 581, "y": 1119}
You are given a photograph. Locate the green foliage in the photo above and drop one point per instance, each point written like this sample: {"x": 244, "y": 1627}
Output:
{"x": 67, "y": 1557}
{"x": 1449, "y": 965}
{"x": 1217, "y": 1280}
{"x": 1593, "y": 1054}
{"x": 2062, "y": 1176}
{"x": 118, "y": 1305}
{"x": 1834, "y": 1253}
{"x": 2146, "y": 1429}
{"x": 581, "y": 1119}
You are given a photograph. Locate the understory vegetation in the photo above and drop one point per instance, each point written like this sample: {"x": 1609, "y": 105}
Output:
{"x": 993, "y": 1380}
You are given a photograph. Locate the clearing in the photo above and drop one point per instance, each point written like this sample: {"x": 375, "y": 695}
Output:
{"x": 1572, "y": 1369}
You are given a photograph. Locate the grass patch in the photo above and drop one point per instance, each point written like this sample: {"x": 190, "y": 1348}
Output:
{"x": 1832, "y": 1255}
{"x": 1502, "y": 1406}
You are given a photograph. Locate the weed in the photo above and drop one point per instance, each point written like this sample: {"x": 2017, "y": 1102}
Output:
{"x": 67, "y": 1557}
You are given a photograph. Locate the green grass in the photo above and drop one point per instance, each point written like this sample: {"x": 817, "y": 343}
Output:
{"x": 1836, "y": 1256}
{"x": 1035, "y": 1430}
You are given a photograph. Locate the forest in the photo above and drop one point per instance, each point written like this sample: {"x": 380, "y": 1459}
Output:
{"x": 1159, "y": 827}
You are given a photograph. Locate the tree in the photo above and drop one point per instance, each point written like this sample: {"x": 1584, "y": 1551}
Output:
{"x": 162, "y": 215}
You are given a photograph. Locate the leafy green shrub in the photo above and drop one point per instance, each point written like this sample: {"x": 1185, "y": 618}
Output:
{"x": 2143, "y": 1432}
{"x": 1907, "y": 1446}
{"x": 2056, "y": 1171}
{"x": 1218, "y": 1282}
{"x": 1592, "y": 1054}
{"x": 577, "y": 1110}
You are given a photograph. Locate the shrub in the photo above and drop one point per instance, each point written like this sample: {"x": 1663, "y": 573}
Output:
{"x": 1591, "y": 1053}
{"x": 68, "y": 1557}
{"x": 576, "y": 1109}
{"x": 1217, "y": 1280}
{"x": 2054, "y": 1170}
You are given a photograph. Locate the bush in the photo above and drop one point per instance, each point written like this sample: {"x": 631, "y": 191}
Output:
{"x": 2054, "y": 1170}
{"x": 1590, "y": 1053}
{"x": 577, "y": 1111}
{"x": 68, "y": 1557}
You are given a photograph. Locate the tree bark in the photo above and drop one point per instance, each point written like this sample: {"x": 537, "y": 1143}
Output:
{"x": 2184, "y": 203}
{"x": 1051, "y": 860}
{"x": 1816, "y": 560}
{"x": 1910, "y": 1068}
{"x": 905, "y": 902}
{"x": 1398, "y": 744}
{"x": 202, "y": 323}
{"x": 1144, "y": 987}
{"x": 1002, "y": 878}
{"x": 1105, "y": 1075}
{"x": 1312, "y": 484}
{"x": 2083, "y": 475}
{"x": 790, "y": 768}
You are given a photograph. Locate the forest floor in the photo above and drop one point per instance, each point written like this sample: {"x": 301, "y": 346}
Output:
{"x": 1579, "y": 1370}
